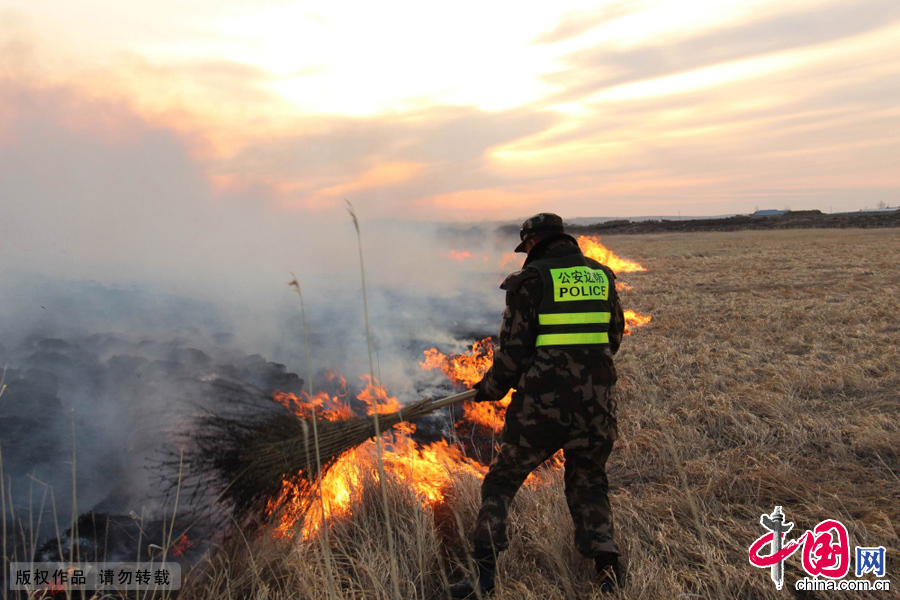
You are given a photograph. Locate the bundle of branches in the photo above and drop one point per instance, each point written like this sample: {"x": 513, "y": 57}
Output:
{"x": 244, "y": 453}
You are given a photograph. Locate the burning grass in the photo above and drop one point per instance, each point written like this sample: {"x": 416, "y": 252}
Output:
{"x": 261, "y": 458}
{"x": 768, "y": 376}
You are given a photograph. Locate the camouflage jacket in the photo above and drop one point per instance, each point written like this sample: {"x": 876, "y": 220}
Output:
{"x": 562, "y": 396}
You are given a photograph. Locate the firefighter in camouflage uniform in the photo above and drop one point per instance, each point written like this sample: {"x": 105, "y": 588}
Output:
{"x": 561, "y": 326}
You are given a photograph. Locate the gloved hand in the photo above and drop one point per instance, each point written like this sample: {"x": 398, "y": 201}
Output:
{"x": 481, "y": 396}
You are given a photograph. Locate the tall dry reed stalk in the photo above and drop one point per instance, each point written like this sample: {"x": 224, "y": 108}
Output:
{"x": 324, "y": 543}
{"x": 378, "y": 443}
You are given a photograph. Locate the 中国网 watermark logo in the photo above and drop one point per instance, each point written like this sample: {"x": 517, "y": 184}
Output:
{"x": 826, "y": 554}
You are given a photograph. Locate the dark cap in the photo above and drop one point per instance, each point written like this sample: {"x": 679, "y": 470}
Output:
{"x": 539, "y": 224}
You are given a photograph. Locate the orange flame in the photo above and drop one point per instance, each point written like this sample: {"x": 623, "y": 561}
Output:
{"x": 428, "y": 470}
{"x": 466, "y": 370}
{"x": 592, "y": 248}
{"x": 633, "y": 319}
{"x": 331, "y": 500}
{"x": 510, "y": 258}
{"x": 327, "y": 407}
{"x": 463, "y": 255}
{"x": 181, "y": 547}
{"x": 376, "y": 397}
{"x": 459, "y": 255}
{"x": 462, "y": 369}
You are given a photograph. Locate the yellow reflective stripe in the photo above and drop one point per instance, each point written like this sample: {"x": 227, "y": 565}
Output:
{"x": 574, "y": 318}
{"x": 571, "y": 339}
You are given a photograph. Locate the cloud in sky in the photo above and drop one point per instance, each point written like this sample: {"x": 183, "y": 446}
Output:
{"x": 577, "y": 22}
{"x": 604, "y": 65}
{"x": 626, "y": 108}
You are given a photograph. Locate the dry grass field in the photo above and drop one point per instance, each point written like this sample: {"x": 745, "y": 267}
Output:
{"x": 769, "y": 376}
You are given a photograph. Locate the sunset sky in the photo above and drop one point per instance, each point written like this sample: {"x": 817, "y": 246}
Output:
{"x": 448, "y": 111}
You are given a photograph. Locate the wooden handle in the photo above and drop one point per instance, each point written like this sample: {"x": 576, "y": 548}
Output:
{"x": 454, "y": 399}
{"x": 421, "y": 408}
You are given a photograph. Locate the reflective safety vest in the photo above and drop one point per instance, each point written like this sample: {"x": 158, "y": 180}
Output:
{"x": 575, "y": 309}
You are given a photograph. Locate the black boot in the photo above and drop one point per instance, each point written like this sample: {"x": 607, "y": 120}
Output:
{"x": 610, "y": 575}
{"x": 483, "y": 583}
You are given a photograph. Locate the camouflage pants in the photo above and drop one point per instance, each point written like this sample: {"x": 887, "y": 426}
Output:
{"x": 586, "y": 494}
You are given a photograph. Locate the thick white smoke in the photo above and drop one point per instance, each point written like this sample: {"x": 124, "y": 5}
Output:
{"x": 127, "y": 281}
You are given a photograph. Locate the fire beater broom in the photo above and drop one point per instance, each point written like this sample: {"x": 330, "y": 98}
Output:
{"x": 246, "y": 454}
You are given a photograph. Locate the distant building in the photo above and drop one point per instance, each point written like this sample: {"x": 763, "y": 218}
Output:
{"x": 768, "y": 212}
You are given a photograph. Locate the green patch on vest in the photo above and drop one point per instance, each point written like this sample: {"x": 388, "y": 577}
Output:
{"x": 579, "y": 283}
